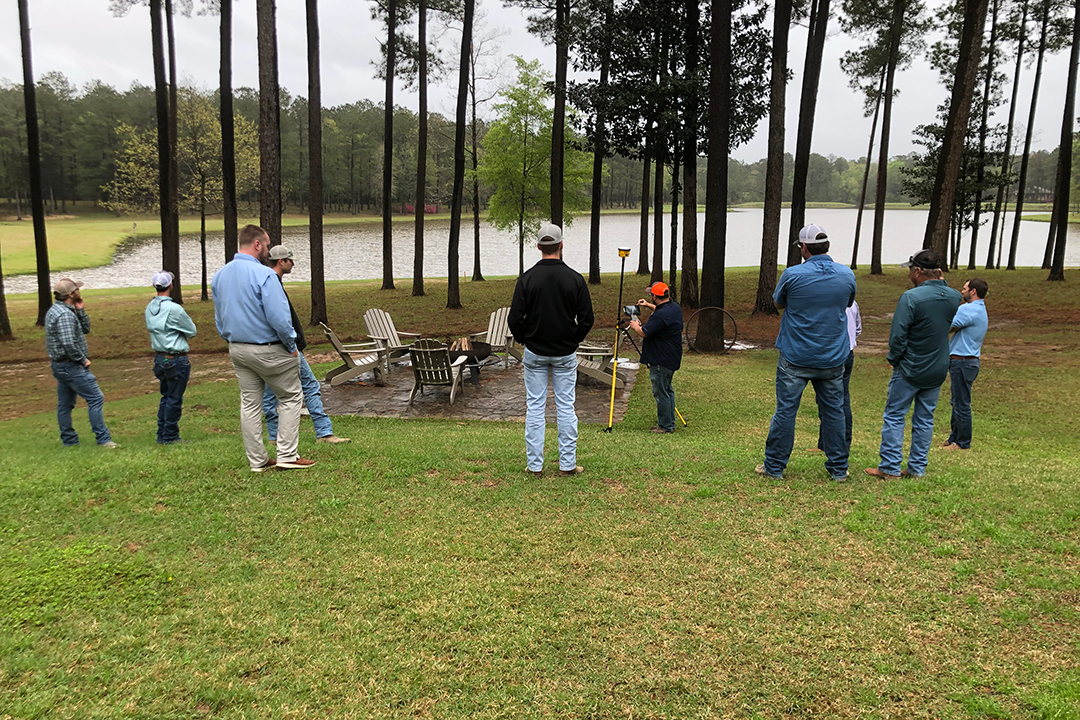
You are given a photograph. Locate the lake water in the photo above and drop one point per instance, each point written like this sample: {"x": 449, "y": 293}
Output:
{"x": 355, "y": 251}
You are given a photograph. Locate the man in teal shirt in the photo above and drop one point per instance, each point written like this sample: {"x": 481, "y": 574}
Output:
{"x": 170, "y": 327}
{"x": 969, "y": 328}
{"x": 919, "y": 354}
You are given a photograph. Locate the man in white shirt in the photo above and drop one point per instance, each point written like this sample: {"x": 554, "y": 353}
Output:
{"x": 854, "y": 330}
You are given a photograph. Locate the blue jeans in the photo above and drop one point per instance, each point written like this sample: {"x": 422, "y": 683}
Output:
{"x": 563, "y": 373}
{"x": 172, "y": 375}
{"x": 962, "y": 373}
{"x": 903, "y": 395}
{"x": 665, "y": 396}
{"x": 72, "y": 382}
{"x": 828, "y": 383}
{"x": 312, "y": 400}
{"x": 849, "y": 364}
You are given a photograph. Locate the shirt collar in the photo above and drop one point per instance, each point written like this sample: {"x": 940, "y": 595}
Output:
{"x": 820, "y": 258}
{"x": 977, "y": 301}
{"x": 245, "y": 256}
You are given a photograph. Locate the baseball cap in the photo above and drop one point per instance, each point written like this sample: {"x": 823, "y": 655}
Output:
{"x": 925, "y": 259}
{"x": 812, "y": 234}
{"x": 162, "y": 279}
{"x": 65, "y": 287}
{"x": 280, "y": 252}
{"x": 549, "y": 235}
{"x": 657, "y": 288}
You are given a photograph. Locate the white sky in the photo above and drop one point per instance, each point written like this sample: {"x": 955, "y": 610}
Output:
{"x": 84, "y": 41}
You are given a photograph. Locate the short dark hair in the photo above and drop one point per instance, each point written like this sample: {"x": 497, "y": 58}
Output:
{"x": 817, "y": 248}
{"x": 249, "y": 234}
{"x": 979, "y": 286}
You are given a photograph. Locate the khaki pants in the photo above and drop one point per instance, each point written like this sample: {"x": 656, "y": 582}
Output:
{"x": 259, "y": 366}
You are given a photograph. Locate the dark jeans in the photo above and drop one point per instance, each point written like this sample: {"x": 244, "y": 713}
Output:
{"x": 665, "y": 396}
{"x": 962, "y": 373}
{"x": 172, "y": 374}
{"x": 848, "y": 365}
{"x": 72, "y": 382}
{"x": 828, "y": 383}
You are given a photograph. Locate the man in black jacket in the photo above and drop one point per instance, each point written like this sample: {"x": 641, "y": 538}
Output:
{"x": 281, "y": 261}
{"x": 550, "y": 315}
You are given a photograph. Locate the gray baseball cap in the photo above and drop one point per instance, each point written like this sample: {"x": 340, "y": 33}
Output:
{"x": 549, "y": 235}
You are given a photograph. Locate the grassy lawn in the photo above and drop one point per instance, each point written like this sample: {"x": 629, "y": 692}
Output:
{"x": 420, "y": 572}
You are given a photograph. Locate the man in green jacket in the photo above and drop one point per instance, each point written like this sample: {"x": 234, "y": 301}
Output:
{"x": 919, "y": 354}
{"x": 170, "y": 327}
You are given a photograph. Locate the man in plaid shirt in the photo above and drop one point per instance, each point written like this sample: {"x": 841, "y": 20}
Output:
{"x": 66, "y": 327}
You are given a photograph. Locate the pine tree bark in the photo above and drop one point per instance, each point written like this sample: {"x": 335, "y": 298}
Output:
{"x": 558, "y": 125}
{"x": 1021, "y": 183}
{"x": 33, "y": 151}
{"x": 599, "y": 143}
{"x": 807, "y": 108}
{"x": 228, "y": 134}
{"x": 866, "y": 175}
{"x": 172, "y": 248}
{"x": 643, "y": 245}
{"x": 658, "y": 215}
{"x": 453, "y": 291}
{"x": 388, "y": 149}
{"x": 711, "y": 330}
{"x": 980, "y": 173}
{"x": 952, "y": 146}
{"x": 896, "y": 33}
{"x": 689, "y": 289}
{"x": 164, "y": 143}
{"x": 1057, "y": 267}
{"x": 1006, "y": 163}
{"x": 477, "y": 276}
{"x": 5, "y": 321}
{"x": 421, "y": 154}
{"x": 269, "y": 123}
{"x": 315, "y": 166}
{"x": 774, "y": 162}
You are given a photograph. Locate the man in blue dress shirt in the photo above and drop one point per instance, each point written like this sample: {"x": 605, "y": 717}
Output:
{"x": 252, "y": 314}
{"x": 813, "y": 344}
{"x": 969, "y": 328}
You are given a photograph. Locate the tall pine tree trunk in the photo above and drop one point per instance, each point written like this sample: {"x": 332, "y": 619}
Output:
{"x": 558, "y": 125}
{"x": 952, "y": 145}
{"x": 711, "y": 330}
{"x": 453, "y": 293}
{"x": 315, "y": 166}
{"x": 1057, "y": 267}
{"x": 33, "y": 150}
{"x": 1021, "y": 185}
{"x": 980, "y": 174}
{"x": 421, "y": 154}
{"x": 388, "y": 149}
{"x": 5, "y": 321}
{"x": 1006, "y": 163}
{"x": 599, "y": 143}
{"x": 164, "y": 143}
{"x": 477, "y": 276}
{"x": 866, "y": 174}
{"x": 228, "y": 134}
{"x": 172, "y": 258}
{"x": 807, "y": 108}
{"x": 774, "y": 162}
{"x": 269, "y": 123}
{"x": 689, "y": 291}
{"x": 896, "y": 33}
{"x": 673, "y": 256}
{"x": 643, "y": 245}
{"x": 658, "y": 213}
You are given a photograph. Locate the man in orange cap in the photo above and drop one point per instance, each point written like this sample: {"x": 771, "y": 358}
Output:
{"x": 661, "y": 350}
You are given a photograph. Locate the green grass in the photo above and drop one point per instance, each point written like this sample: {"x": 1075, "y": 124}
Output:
{"x": 420, "y": 572}
{"x": 1073, "y": 218}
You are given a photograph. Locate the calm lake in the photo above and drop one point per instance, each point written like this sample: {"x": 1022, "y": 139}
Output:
{"x": 355, "y": 251}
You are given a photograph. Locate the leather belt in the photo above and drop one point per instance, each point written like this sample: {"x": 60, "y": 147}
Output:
{"x": 963, "y": 357}
{"x": 274, "y": 342}
{"x": 171, "y": 355}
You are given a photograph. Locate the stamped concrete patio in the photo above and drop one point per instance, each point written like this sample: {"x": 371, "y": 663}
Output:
{"x": 499, "y": 396}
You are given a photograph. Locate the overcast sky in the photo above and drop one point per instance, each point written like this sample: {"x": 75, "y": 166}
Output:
{"x": 84, "y": 41}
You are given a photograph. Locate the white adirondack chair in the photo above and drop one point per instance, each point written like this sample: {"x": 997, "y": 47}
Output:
{"x": 357, "y": 358}
{"x": 431, "y": 366}
{"x": 380, "y": 328}
{"x": 598, "y": 361}
{"x": 498, "y": 336}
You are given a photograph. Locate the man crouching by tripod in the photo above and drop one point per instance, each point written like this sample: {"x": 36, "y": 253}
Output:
{"x": 661, "y": 350}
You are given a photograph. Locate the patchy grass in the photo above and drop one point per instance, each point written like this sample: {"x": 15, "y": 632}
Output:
{"x": 419, "y": 571}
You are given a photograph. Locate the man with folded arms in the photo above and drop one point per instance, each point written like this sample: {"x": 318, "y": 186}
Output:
{"x": 919, "y": 354}
{"x": 66, "y": 328}
{"x": 969, "y": 329}
{"x": 169, "y": 327}
{"x": 252, "y": 314}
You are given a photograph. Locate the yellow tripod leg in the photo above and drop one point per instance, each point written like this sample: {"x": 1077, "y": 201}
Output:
{"x": 614, "y": 365}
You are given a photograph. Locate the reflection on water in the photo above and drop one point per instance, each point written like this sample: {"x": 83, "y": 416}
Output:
{"x": 355, "y": 251}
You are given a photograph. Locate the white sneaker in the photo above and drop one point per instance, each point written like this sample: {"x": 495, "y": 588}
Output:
{"x": 332, "y": 439}
{"x": 109, "y": 445}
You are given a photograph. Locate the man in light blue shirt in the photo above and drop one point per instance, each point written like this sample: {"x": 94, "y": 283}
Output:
{"x": 252, "y": 314}
{"x": 965, "y": 346}
{"x": 170, "y": 327}
{"x": 814, "y": 347}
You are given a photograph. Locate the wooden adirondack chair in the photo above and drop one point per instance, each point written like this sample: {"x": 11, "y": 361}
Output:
{"x": 357, "y": 358}
{"x": 498, "y": 336}
{"x": 380, "y": 327}
{"x": 598, "y": 361}
{"x": 431, "y": 366}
